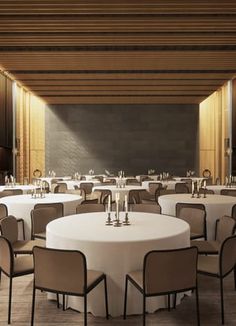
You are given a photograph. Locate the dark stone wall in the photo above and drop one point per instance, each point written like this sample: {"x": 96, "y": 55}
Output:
{"x": 133, "y": 138}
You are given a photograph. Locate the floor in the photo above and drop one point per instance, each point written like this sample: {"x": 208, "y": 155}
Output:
{"x": 47, "y": 313}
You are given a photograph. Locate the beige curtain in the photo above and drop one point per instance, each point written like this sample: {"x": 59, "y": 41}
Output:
{"x": 214, "y": 133}
{"x": 30, "y": 134}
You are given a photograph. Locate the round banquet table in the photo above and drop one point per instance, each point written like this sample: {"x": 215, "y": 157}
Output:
{"x": 216, "y": 206}
{"x": 217, "y": 188}
{"x": 122, "y": 191}
{"x": 20, "y": 206}
{"x": 24, "y": 188}
{"x": 116, "y": 251}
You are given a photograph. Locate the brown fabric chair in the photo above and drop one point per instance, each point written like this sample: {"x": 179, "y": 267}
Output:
{"x": 77, "y": 191}
{"x": 40, "y": 217}
{"x": 4, "y": 213}
{"x": 195, "y": 216}
{"x": 111, "y": 181}
{"x": 89, "y": 201}
{"x": 13, "y": 266}
{"x": 220, "y": 266}
{"x": 181, "y": 188}
{"x": 132, "y": 182}
{"x": 233, "y": 212}
{"x": 89, "y": 208}
{"x": 87, "y": 186}
{"x": 9, "y": 229}
{"x": 153, "y": 187}
{"x": 225, "y": 227}
{"x": 60, "y": 188}
{"x": 148, "y": 208}
{"x": 102, "y": 195}
{"x": 206, "y": 191}
{"x": 228, "y": 192}
{"x": 165, "y": 272}
{"x": 65, "y": 272}
{"x": 135, "y": 196}
{"x": 59, "y": 207}
{"x": 11, "y": 192}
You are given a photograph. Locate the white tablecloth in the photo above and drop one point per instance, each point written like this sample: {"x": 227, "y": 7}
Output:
{"x": 21, "y": 206}
{"x": 217, "y": 188}
{"x": 117, "y": 251}
{"x": 170, "y": 184}
{"x": 71, "y": 183}
{"x": 216, "y": 206}
{"x": 122, "y": 191}
{"x": 24, "y": 188}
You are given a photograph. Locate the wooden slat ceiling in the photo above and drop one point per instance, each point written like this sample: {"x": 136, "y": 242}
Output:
{"x": 126, "y": 51}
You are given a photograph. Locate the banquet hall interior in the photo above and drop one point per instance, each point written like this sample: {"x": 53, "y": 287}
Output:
{"x": 117, "y": 144}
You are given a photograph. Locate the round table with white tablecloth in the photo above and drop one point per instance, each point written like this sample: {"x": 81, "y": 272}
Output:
{"x": 122, "y": 191}
{"x": 116, "y": 251}
{"x": 25, "y": 188}
{"x": 20, "y": 206}
{"x": 216, "y": 206}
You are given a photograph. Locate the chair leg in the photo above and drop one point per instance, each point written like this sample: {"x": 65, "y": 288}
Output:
{"x": 222, "y": 301}
{"x": 125, "y": 301}
{"x": 85, "y": 309}
{"x": 64, "y": 302}
{"x": 144, "y": 310}
{"x": 168, "y": 298}
{"x": 174, "y": 300}
{"x": 58, "y": 301}
{"x": 197, "y": 307}
{"x": 106, "y": 299}
{"x": 33, "y": 307}
{"x": 234, "y": 277}
{"x": 9, "y": 302}
{"x": 23, "y": 229}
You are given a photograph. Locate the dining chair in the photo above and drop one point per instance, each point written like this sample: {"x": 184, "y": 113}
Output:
{"x": 220, "y": 266}
{"x": 206, "y": 191}
{"x": 224, "y": 228}
{"x": 4, "y": 213}
{"x": 145, "y": 178}
{"x": 108, "y": 181}
{"x": 181, "y": 188}
{"x": 90, "y": 208}
{"x": 13, "y": 266}
{"x": 195, "y": 216}
{"x": 87, "y": 186}
{"x": 60, "y": 188}
{"x": 102, "y": 195}
{"x": 9, "y": 230}
{"x": 165, "y": 272}
{"x": 11, "y": 192}
{"x": 40, "y": 217}
{"x": 59, "y": 207}
{"x": 228, "y": 192}
{"x": 146, "y": 208}
{"x": 65, "y": 272}
{"x": 77, "y": 190}
{"x": 233, "y": 211}
{"x": 132, "y": 182}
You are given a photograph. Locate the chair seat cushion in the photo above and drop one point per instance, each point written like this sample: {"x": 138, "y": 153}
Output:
{"x": 207, "y": 247}
{"x": 26, "y": 247}
{"x": 208, "y": 264}
{"x": 23, "y": 264}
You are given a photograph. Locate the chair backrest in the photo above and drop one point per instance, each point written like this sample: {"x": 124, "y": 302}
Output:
{"x": 170, "y": 270}
{"x": 153, "y": 186}
{"x": 194, "y": 214}
{"x": 111, "y": 181}
{"x": 11, "y": 192}
{"x": 228, "y": 192}
{"x": 228, "y": 255}
{"x": 9, "y": 228}
{"x": 132, "y": 181}
{"x": 6, "y": 256}
{"x": 59, "y": 207}
{"x": 225, "y": 227}
{"x": 60, "y": 188}
{"x": 233, "y": 211}
{"x": 206, "y": 191}
{"x": 134, "y": 196}
{"x": 63, "y": 271}
{"x": 181, "y": 188}
{"x": 89, "y": 208}
{"x": 3, "y": 210}
{"x": 87, "y": 186}
{"x": 40, "y": 217}
{"x": 148, "y": 208}
{"x": 77, "y": 190}
{"x": 102, "y": 195}
{"x": 145, "y": 178}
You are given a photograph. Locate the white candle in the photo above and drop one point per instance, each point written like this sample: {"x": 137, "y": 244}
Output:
{"x": 192, "y": 187}
{"x": 204, "y": 184}
{"x": 109, "y": 204}
{"x": 126, "y": 204}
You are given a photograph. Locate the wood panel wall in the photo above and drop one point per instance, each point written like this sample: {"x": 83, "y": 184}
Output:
{"x": 30, "y": 134}
{"x": 214, "y": 133}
